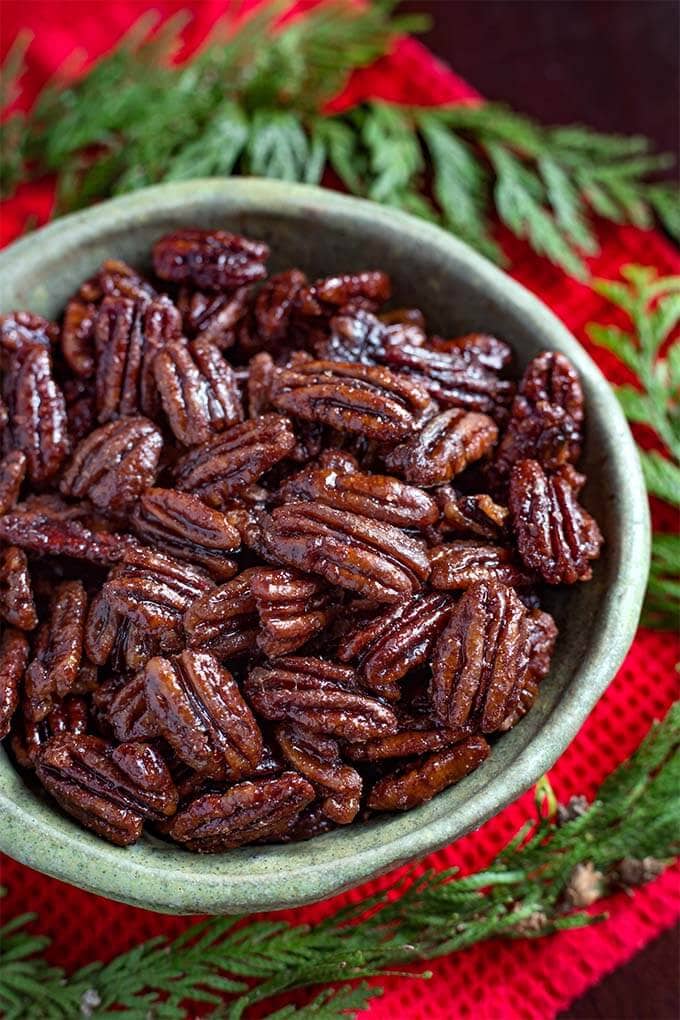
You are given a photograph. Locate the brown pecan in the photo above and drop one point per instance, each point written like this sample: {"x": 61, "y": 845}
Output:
{"x": 458, "y": 565}
{"x": 246, "y": 813}
{"x": 45, "y": 532}
{"x": 488, "y": 351}
{"x": 12, "y": 474}
{"x": 267, "y": 326}
{"x": 481, "y": 658}
{"x": 355, "y": 335}
{"x": 212, "y": 260}
{"x": 13, "y": 662}
{"x": 375, "y": 559}
{"x": 198, "y": 390}
{"x": 317, "y": 758}
{"x": 387, "y": 647}
{"x": 542, "y": 634}
{"x": 81, "y": 407}
{"x": 186, "y": 528}
{"x": 128, "y": 712}
{"x": 368, "y": 289}
{"x": 444, "y": 447}
{"x": 319, "y": 695}
{"x": 38, "y": 423}
{"x": 378, "y": 497}
{"x": 472, "y": 515}
{"x": 20, "y": 330}
{"x": 261, "y": 371}
{"x": 555, "y": 535}
{"x": 416, "y": 784}
{"x": 17, "y": 605}
{"x": 114, "y": 465}
{"x": 213, "y": 316}
{"x": 70, "y": 715}
{"x": 369, "y": 400}
{"x": 292, "y": 608}
{"x": 224, "y": 621}
{"x": 199, "y": 710}
{"x": 226, "y": 465}
{"x": 55, "y": 669}
{"x": 110, "y": 790}
{"x": 414, "y": 738}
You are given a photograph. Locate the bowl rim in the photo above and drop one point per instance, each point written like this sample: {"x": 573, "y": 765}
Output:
{"x": 266, "y": 878}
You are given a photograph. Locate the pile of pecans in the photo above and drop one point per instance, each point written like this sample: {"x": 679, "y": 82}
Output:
{"x": 270, "y": 557}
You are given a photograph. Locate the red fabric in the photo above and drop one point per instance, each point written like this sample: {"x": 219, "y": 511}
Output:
{"x": 497, "y": 980}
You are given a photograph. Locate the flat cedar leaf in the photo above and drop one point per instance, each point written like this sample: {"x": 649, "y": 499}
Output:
{"x": 672, "y": 363}
{"x": 341, "y": 142}
{"x": 635, "y": 208}
{"x": 567, "y": 205}
{"x": 217, "y": 151}
{"x": 665, "y": 200}
{"x": 600, "y": 198}
{"x": 277, "y": 146}
{"x": 586, "y": 142}
{"x": 664, "y": 318}
{"x": 637, "y": 406}
{"x": 662, "y": 477}
{"x": 616, "y": 293}
{"x": 616, "y": 341}
{"x": 394, "y": 153}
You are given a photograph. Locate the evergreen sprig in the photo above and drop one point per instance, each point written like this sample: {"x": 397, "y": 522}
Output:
{"x": 242, "y": 106}
{"x": 652, "y": 304}
{"x": 533, "y": 888}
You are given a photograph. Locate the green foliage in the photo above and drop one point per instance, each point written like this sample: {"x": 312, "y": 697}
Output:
{"x": 231, "y": 964}
{"x": 652, "y": 304}
{"x": 136, "y": 118}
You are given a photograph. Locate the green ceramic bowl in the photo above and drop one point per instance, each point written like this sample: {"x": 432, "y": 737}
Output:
{"x": 324, "y": 232}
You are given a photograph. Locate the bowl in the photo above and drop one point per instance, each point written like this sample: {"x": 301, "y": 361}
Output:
{"x": 324, "y": 232}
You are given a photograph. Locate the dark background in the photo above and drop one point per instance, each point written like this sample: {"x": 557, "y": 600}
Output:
{"x": 614, "y": 65}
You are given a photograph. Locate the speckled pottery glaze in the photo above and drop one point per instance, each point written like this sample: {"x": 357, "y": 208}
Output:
{"x": 460, "y": 292}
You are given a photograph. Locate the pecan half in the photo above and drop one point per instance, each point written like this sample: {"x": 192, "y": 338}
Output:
{"x": 212, "y": 260}
{"x": 17, "y": 605}
{"x": 20, "y": 330}
{"x": 292, "y": 608}
{"x": 55, "y": 669}
{"x": 317, "y": 758}
{"x": 368, "y": 289}
{"x": 488, "y": 351}
{"x": 213, "y": 316}
{"x": 458, "y": 565}
{"x": 38, "y": 423}
{"x": 414, "y": 738}
{"x": 472, "y": 515}
{"x": 12, "y": 474}
{"x": 13, "y": 662}
{"x": 416, "y": 784}
{"x": 355, "y": 335}
{"x": 44, "y": 532}
{"x": 267, "y": 326}
{"x": 70, "y": 715}
{"x": 224, "y": 621}
{"x": 444, "y": 447}
{"x": 542, "y": 633}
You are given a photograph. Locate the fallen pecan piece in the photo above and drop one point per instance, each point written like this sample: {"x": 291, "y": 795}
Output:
{"x": 458, "y": 565}
{"x": 17, "y": 605}
{"x": 444, "y": 447}
{"x": 319, "y": 695}
{"x": 555, "y": 535}
{"x": 54, "y": 671}
{"x": 246, "y": 813}
{"x": 416, "y": 784}
{"x": 108, "y": 789}
{"x": 292, "y": 608}
{"x": 38, "y": 423}
{"x": 13, "y": 662}
{"x": 317, "y": 758}
{"x": 114, "y": 465}
{"x": 12, "y": 474}
{"x": 224, "y": 621}
{"x": 212, "y": 260}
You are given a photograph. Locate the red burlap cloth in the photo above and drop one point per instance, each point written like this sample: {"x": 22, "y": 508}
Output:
{"x": 497, "y": 980}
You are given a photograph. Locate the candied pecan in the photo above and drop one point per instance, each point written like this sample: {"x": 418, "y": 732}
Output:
{"x": 108, "y": 789}
{"x": 368, "y": 289}
{"x": 45, "y": 532}
{"x": 224, "y": 620}
{"x": 70, "y": 715}
{"x": 186, "y": 528}
{"x": 13, "y": 662}
{"x": 213, "y": 316}
{"x": 396, "y": 641}
{"x": 542, "y": 634}
{"x": 114, "y": 465}
{"x": 319, "y": 695}
{"x": 444, "y": 447}
{"x": 55, "y": 668}
{"x": 378, "y": 497}
{"x": 38, "y": 424}
{"x": 416, "y": 784}
{"x": 369, "y": 400}
{"x": 20, "y": 330}
{"x": 12, "y": 474}
{"x": 199, "y": 710}
{"x": 292, "y": 608}
{"x": 414, "y": 738}
{"x": 472, "y": 515}
{"x": 458, "y": 565}
{"x": 211, "y": 260}
{"x": 81, "y": 407}
{"x": 487, "y": 350}
{"x": 198, "y": 390}
{"x": 355, "y": 335}
{"x": 261, "y": 372}
{"x": 317, "y": 758}
{"x": 370, "y": 557}
{"x": 555, "y": 535}
{"x": 128, "y": 712}
{"x": 267, "y": 326}
{"x": 154, "y": 591}
{"x": 247, "y": 812}
{"x": 312, "y": 821}
{"x": 17, "y": 605}
{"x": 229, "y": 463}
{"x": 481, "y": 658}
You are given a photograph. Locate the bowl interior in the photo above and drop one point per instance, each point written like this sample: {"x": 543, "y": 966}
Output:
{"x": 460, "y": 292}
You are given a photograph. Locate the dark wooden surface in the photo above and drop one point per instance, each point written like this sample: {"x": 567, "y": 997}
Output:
{"x": 615, "y": 65}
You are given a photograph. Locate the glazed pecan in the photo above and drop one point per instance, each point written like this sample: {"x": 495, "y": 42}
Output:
{"x": 370, "y": 557}
{"x": 261, "y": 371}
{"x": 267, "y": 326}
{"x": 458, "y": 565}
{"x": 17, "y": 605}
{"x": 292, "y": 608}
{"x": 45, "y": 532}
{"x": 12, "y": 474}
{"x": 378, "y": 497}
{"x": 224, "y": 621}
{"x": 70, "y": 715}
{"x": 356, "y": 335}
{"x": 416, "y": 784}
{"x": 38, "y": 424}
{"x": 213, "y": 316}
{"x": 211, "y": 260}
{"x": 319, "y": 695}
{"x": 396, "y": 641}
{"x": 13, "y": 662}
{"x": 186, "y": 528}
{"x": 199, "y": 710}
{"x": 126, "y": 709}
{"x": 486, "y": 350}
{"x": 542, "y": 633}
{"x": 114, "y": 465}
{"x": 81, "y": 407}
{"x": 555, "y": 535}
{"x": 198, "y": 390}
{"x": 21, "y": 330}
{"x": 369, "y": 289}
{"x": 247, "y": 812}
{"x": 108, "y": 789}
{"x": 472, "y": 515}
{"x": 444, "y": 447}
{"x": 413, "y": 738}
{"x": 229, "y": 463}
{"x": 317, "y": 758}
{"x": 54, "y": 671}
{"x": 369, "y": 400}
{"x": 481, "y": 658}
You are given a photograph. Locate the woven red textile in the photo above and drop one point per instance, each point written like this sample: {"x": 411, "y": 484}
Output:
{"x": 497, "y": 980}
